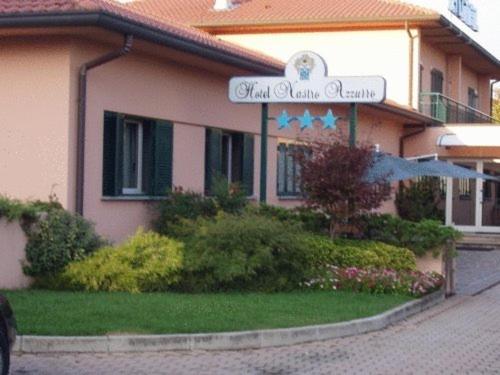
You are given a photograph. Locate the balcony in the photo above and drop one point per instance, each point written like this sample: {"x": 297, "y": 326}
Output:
{"x": 449, "y": 111}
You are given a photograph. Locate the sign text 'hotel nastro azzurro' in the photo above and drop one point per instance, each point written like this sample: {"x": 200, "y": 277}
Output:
{"x": 306, "y": 81}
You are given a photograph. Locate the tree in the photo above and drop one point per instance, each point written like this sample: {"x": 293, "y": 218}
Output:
{"x": 496, "y": 105}
{"x": 420, "y": 199}
{"x": 333, "y": 177}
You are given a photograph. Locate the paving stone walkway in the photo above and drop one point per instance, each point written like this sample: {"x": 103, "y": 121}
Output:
{"x": 477, "y": 270}
{"x": 460, "y": 336}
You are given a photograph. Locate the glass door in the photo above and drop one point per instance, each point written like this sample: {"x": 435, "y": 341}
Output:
{"x": 490, "y": 216}
{"x": 464, "y": 198}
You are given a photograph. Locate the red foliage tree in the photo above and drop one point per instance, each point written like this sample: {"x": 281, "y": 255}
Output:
{"x": 333, "y": 177}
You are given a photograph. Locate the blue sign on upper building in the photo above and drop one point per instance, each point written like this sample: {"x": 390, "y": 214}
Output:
{"x": 464, "y": 10}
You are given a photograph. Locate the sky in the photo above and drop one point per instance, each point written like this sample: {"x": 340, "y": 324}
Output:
{"x": 488, "y": 14}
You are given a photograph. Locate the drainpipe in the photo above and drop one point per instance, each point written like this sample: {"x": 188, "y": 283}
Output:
{"x": 403, "y": 138}
{"x": 492, "y": 86}
{"x": 82, "y": 107}
{"x": 410, "y": 65}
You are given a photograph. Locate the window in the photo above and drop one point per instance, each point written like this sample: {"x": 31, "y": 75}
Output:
{"x": 437, "y": 81}
{"x": 229, "y": 155}
{"x": 137, "y": 156}
{"x": 288, "y": 170}
{"x": 132, "y": 157}
{"x": 464, "y": 191}
{"x": 472, "y": 97}
{"x": 438, "y": 109}
{"x": 420, "y": 78}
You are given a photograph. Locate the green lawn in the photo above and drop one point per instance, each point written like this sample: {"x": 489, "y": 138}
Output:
{"x": 65, "y": 313}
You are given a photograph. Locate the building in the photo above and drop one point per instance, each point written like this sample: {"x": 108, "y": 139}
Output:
{"x": 431, "y": 65}
{"x": 108, "y": 104}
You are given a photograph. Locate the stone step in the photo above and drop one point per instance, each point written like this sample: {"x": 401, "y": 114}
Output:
{"x": 479, "y": 242}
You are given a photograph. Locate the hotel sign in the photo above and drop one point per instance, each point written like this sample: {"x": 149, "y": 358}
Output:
{"x": 306, "y": 81}
{"x": 464, "y": 10}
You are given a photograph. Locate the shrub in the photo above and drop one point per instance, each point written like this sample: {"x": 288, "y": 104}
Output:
{"x": 361, "y": 254}
{"x": 57, "y": 238}
{"x": 421, "y": 237}
{"x": 420, "y": 200}
{"x": 311, "y": 220}
{"x": 412, "y": 283}
{"x": 181, "y": 205}
{"x": 26, "y": 212}
{"x": 246, "y": 252}
{"x": 228, "y": 197}
{"x": 146, "y": 262}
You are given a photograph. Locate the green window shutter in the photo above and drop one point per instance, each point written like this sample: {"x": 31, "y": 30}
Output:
{"x": 163, "y": 155}
{"x": 248, "y": 164}
{"x": 112, "y": 180}
{"x": 213, "y": 156}
{"x": 148, "y": 160}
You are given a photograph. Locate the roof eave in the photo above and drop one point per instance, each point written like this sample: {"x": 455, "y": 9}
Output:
{"x": 468, "y": 40}
{"x": 412, "y": 116}
{"x": 123, "y": 25}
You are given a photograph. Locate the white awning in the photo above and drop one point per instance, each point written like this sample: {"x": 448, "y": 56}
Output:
{"x": 470, "y": 135}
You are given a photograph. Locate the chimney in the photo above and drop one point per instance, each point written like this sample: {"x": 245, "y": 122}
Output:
{"x": 220, "y": 5}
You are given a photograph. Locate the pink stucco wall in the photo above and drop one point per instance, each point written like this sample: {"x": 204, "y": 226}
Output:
{"x": 430, "y": 263}
{"x": 12, "y": 243}
{"x": 432, "y": 58}
{"x": 39, "y": 121}
{"x": 458, "y": 76}
{"x": 34, "y": 102}
{"x": 192, "y": 98}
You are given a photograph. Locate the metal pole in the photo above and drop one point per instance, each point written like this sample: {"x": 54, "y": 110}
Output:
{"x": 353, "y": 123}
{"x": 263, "y": 153}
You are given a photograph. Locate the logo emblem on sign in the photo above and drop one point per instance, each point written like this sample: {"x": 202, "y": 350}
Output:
{"x": 304, "y": 65}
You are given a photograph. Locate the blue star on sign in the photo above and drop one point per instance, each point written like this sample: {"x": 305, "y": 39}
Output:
{"x": 283, "y": 120}
{"x": 306, "y": 121}
{"x": 329, "y": 121}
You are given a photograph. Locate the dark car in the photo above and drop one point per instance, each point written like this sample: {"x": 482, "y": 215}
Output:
{"x": 7, "y": 334}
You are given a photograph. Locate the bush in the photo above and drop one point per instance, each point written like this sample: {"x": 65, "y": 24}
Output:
{"x": 421, "y": 237}
{"x": 146, "y": 262}
{"x": 181, "y": 205}
{"x": 57, "y": 238}
{"x": 420, "y": 200}
{"x": 246, "y": 252}
{"x": 311, "y": 220}
{"x": 26, "y": 212}
{"x": 412, "y": 283}
{"x": 361, "y": 254}
{"x": 228, "y": 197}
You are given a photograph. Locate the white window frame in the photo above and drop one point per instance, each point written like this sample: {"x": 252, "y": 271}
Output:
{"x": 138, "y": 189}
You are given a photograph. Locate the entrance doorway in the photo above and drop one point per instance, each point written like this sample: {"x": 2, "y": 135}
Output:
{"x": 473, "y": 205}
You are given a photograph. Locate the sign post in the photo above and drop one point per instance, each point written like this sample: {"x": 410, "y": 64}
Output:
{"x": 353, "y": 124}
{"x": 306, "y": 80}
{"x": 263, "y": 153}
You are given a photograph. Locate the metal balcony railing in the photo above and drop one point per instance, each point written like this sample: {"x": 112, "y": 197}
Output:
{"x": 449, "y": 111}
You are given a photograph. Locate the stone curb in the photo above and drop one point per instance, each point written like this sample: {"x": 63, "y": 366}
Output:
{"x": 222, "y": 341}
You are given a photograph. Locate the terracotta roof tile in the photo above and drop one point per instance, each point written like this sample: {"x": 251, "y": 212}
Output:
{"x": 111, "y": 7}
{"x": 257, "y": 12}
